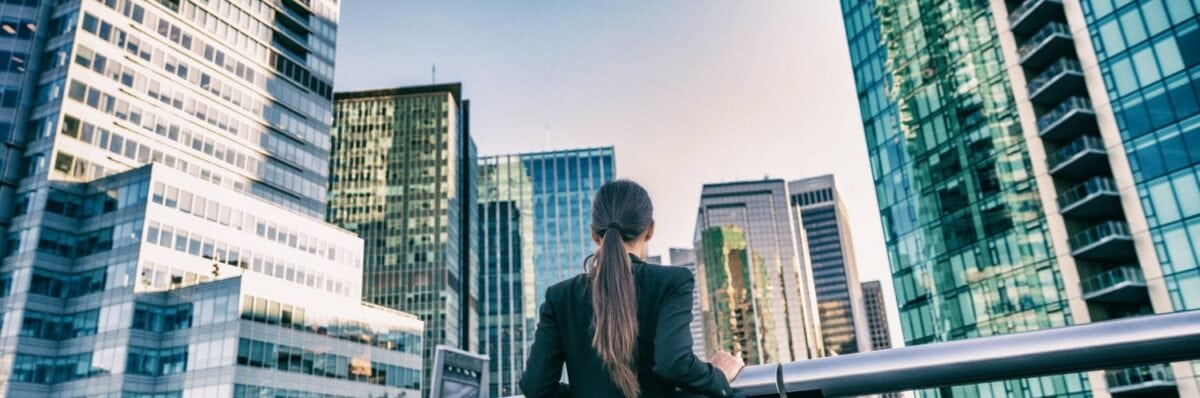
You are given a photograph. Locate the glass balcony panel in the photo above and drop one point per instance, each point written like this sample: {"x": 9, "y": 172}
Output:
{"x": 1145, "y": 380}
{"x": 1109, "y": 240}
{"x": 1050, "y": 43}
{"x": 1081, "y": 158}
{"x": 1033, "y": 14}
{"x": 1064, "y": 78}
{"x": 1123, "y": 284}
{"x": 1070, "y": 119}
{"x": 1096, "y": 197}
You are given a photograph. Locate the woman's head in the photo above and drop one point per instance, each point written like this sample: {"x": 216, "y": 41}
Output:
{"x": 621, "y": 215}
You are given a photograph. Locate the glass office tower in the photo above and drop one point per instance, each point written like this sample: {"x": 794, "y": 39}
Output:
{"x": 822, "y": 218}
{"x": 876, "y": 309}
{"x": 163, "y": 236}
{"x": 1087, "y": 138}
{"x": 534, "y": 217}
{"x": 750, "y": 224}
{"x": 403, "y": 178}
{"x": 1147, "y": 55}
{"x": 686, "y": 258}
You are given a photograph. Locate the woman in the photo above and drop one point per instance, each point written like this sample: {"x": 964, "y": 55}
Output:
{"x": 622, "y": 327}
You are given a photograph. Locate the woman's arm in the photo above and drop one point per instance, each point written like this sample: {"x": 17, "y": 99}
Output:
{"x": 543, "y": 370}
{"x": 673, "y": 357}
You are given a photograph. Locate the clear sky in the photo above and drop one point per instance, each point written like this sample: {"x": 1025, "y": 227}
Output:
{"x": 688, "y": 92}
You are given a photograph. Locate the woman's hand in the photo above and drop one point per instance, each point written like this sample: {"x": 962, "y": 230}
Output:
{"x": 728, "y": 364}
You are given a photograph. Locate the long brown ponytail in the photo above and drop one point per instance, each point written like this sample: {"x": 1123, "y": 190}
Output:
{"x": 621, "y": 211}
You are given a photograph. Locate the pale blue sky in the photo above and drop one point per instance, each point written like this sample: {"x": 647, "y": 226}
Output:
{"x": 689, "y": 92}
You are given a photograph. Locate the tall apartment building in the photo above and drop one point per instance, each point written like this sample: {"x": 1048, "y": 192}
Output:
{"x": 403, "y": 178}
{"x": 686, "y": 258}
{"x": 162, "y": 237}
{"x": 1049, "y": 148}
{"x": 875, "y": 308}
{"x": 748, "y": 248}
{"x": 826, "y": 233}
{"x": 534, "y": 217}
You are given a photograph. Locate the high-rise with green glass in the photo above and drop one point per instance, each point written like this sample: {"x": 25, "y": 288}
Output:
{"x": 534, "y": 215}
{"x": 1036, "y": 165}
{"x": 402, "y": 176}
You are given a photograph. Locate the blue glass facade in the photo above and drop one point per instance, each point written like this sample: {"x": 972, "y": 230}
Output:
{"x": 967, "y": 238}
{"x": 534, "y": 213}
{"x": 1149, "y": 55}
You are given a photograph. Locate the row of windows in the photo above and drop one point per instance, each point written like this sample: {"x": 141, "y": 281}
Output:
{"x": 162, "y": 277}
{"x": 73, "y": 244}
{"x": 156, "y": 361}
{"x": 12, "y": 61}
{"x": 17, "y": 28}
{"x": 251, "y": 391}
{"x": 287, "y": 316}
{"x": 1166, "y": 151}
{"x": 201, "y": 108}
{"x": 52, "y": 370}
{"x": 298, "y": 360}
{"x": 197, "y": 245}
{"x": 283, "y": 92}
{"x": 161, "y": 319}
{"x": 67, "y": 286}
{"x": 9, "y": 96}
{"x": 226, "y": 215}
{"x": 245, "y": 35}
{"x": 58, "y": 327}
{"x": 277, "y": 175}
{"x": 5, "y": 284}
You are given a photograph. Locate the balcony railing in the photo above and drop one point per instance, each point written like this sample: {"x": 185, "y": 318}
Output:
{"x": 1062, "y": 79}
{"x": 1083, "y": 157}
{"x": 1123, "y": 284}
{"x": 1051, "y": 42}
{"x": 1069, "y": 119}
{"x": 1108, "y": 240}
{"x": 1146, "y": 379}
{"x": 1096, "y": 197}
{"x": 1034, "y": 13}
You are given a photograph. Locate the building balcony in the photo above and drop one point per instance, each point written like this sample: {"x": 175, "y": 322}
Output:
{"x": 1070, "y": 119}
{"x": 1033, "y": 14}
{"x": 1049, "y": 44}
{"x": 1064, "y": 78}
{"x": 1081, "y": 158}
{"x": 1123, "y": 284}
{"x": 1148, "y": 380}
{"x": 1109, "y": 240}
{"x": 1096, "y": 197}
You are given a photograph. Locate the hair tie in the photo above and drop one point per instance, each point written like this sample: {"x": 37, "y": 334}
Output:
{"x": 613, "y": 225}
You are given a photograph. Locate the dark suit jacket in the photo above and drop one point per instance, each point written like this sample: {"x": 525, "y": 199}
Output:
{"x": 664, "y": 346}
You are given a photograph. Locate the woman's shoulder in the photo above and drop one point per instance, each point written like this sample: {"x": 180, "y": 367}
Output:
{"x": 567, "y": 286}
{"x": 670, "y": 273}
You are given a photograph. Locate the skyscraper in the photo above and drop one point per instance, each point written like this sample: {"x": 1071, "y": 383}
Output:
{"x": 687, "y": 258}
{"x": 826, "y": 233}
{"x": 876, "y": 309}
{"x": 403, "y": 178}
{"x": 1023, "y": 167}
{"x": 751, "y": 260}
{"x": 534, "y": 217}
{"x": 164, "y": 236}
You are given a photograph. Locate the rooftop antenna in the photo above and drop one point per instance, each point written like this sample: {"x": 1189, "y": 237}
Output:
{"x": 433, "y": 77}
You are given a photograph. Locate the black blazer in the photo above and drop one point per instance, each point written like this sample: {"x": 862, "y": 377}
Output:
{"x": 664, "y": 346}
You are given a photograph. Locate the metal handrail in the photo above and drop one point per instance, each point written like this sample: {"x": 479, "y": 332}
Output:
{"x": 1092, "y": 186}
{"x": 1063, "y": 109}
{"x": 1109, "y": 344}
{"x": 1043, "y": 35}
{"x": 1076, "y": 147}
{"x": 1062, "y": 66}
{"x": 1098, "y": 232}
{"x": 1111, "y": 278}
